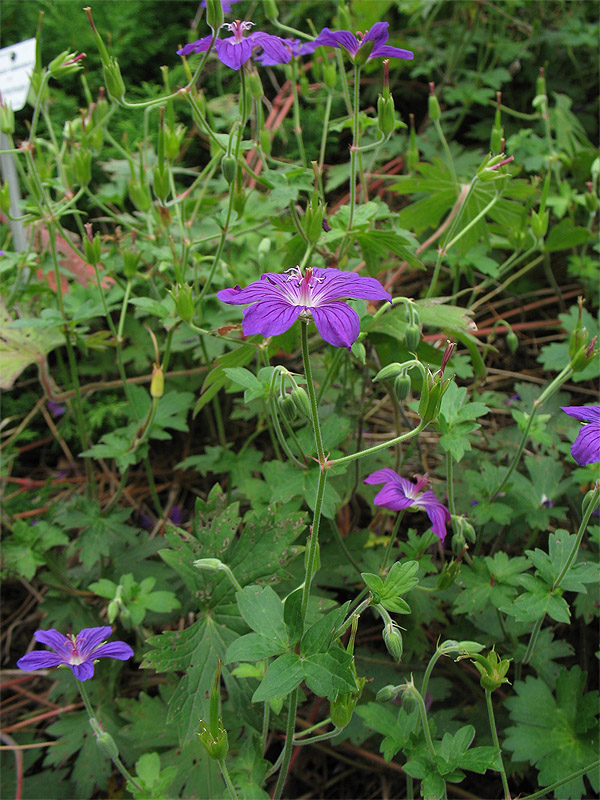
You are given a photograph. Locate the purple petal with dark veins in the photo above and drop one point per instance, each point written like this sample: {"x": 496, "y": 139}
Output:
{"x": 119, "y": 650}
{"x": 259, "y": 290}
{"x": 39, "y": 659}
{"x": 338, "y": 284}
{"x": 270, "y": 317}
{"x": 586, "y": 447}
{"x": 344, "y": 39}
{"x": 378, "y": 34}
{"x": 233, "y": 54}
{"x": 54, "y": 639}
{"x": 337, "y": 323}
{"x": 392, "y": 497}
{"x": 273, "y": 46}
{"x": 199, "y": 46}
{"x": 386, "y": 475}
{"x": 583, "y": 413}
{"x": 88, "y": 639}
{"x": 83, "y": 672}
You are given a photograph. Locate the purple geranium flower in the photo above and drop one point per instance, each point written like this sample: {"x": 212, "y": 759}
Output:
{"x": 280, "y": 299}
{"x": 586, "y": 447}
{"x": 296, "y": 47}
{"x": 372, "y": 43}
{"x": 399, "y": 493}
{"x": 237, "y": 49}
{"x": 77, "y": 652}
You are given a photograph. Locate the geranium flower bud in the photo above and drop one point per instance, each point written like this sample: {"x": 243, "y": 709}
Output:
{"x": 402, "y": 387}
{"x": 412, "y": 337}
{"x": 214, "y": 14}
{"x": 393, "y": 641}
{"x": 287, "y": 408}
{"x": 433, "y": 104}
{"x": 301, "y": 401}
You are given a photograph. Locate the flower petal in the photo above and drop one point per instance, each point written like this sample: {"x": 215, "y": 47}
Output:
{"x": 263, "y": 289}
{"x": 39, "y": 659}
{"x": 586, "y": 447}
{"x": 236, "y": 54}
{"x": 84, "y": 671}
{"x": 270, "y": 317}
{"x": 344, "y": 39}
{"x": 273, "y": 46}
{"x": 54, "y": 639}
{"x": 120, "y": 650}
{"x": 88, "y": 639}
{"x": 199, "y": 46}
{"x": 387, "y": 51}
{"x": 392, "y": 497}
{"x": 377, "y": 33}
{"x": 386, "y": 475}
{"x": 584, "y": 413}
{"x": 439, "y": 517}
{"x": 338, "y": 284}
{"x": 337, "y": 323}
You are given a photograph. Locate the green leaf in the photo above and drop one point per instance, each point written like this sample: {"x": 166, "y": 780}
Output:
{"x": 253, "y": 647}
{"x": 262, "y": 609}
{"x": 565, "y": 235}
{"x": 489, "y": 581}
{"x": 194, "y": 651}
{"x": 104, "y": 588}
{"x": 318, "y": 637}
{"x": 74, "y": 736}
{"x": 281, "y": 677}
{"x": 326, "y": 673}
{"x": 98, "y": 531}
{"x": 401, "y": 578}
{"x": 374, "y": 583}
{"x": 536, "y": 602}
{"x": 558, "y": 735}
{"x": 396, "y": 728}
{"x": 242, "y": 378}
{"x": 23, "y": 345}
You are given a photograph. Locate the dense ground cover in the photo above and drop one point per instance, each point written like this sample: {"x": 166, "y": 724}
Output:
{"x": 300, "y": 416}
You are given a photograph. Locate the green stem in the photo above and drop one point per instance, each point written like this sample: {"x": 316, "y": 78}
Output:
{"x": 591, "y": 506}
{"x": 473, "y": 222}
{"x": 265, "y": 723}
{"x": 91, "y": 485}
{"x": 429, "y": 669}
{"x": 444, "y": 143}
{"x": 311, "y": 392}
{"x": 355, "y": 144}
{"x": 393, "y": 536}
{"x": 325, "y": 124}
{"x": 152, "y": 486}
{"x": 545, "y": 792}
{"x": 115, "y": 759}
{"x": 383, "y": 446}
{"x": 312, "y": 728}
{"x": 296, "y": 112}
{"x": 289, "y": 743}
{"x": 227, "y": 779}
{"x": 320, "y": 738}
{"x": 453, "y": 226}
{"x": 567, "y": 566}
{"x": 490, "y": 708}
{"x": 423, "y": 715}
{"x": 548, "y": 391}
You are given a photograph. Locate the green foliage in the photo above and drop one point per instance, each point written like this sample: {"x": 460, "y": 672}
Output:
{"x": 144, "y": 199}
{"x": 25, "y": 551}
{"x": 557, "y": 733}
